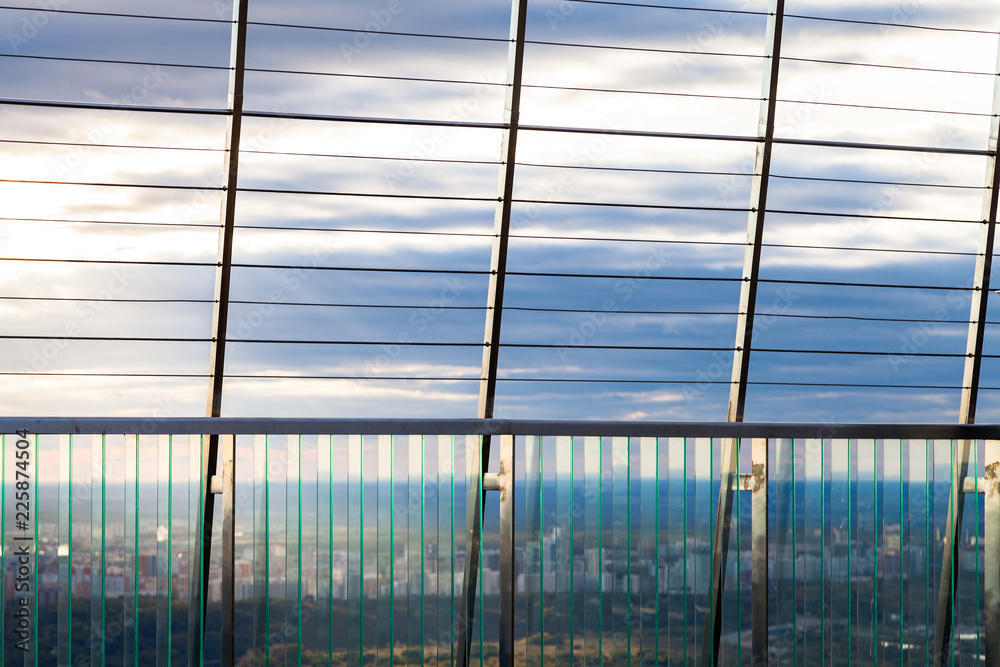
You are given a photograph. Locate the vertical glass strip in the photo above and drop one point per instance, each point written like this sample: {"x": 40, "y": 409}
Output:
{"x": 444, "y": 581}
{"x": 114, "y": 547}
{"x": 343, "y": 624}
{"x": 559, "y": 479}
{"x": 196, "y": 507}
{"x": 64, "y": 551}
{"x": 279, "y": 546}
{"x": 917, "y": 509}
{"x": 309, "y": 547}
{"x": 261, "y": 550}
{"x": 643, "y": 476}
{"x": 180, "y": 555}
{"x": 245, "y": 579}
{"x": 399, "y": 503}
{"x": 618, "y": 564}
{"x": 384, "y": 639}
{"x": 162, "y": 557}
{"x": 97, "y": 541}
{"x": 522, "y": 520}
{"x": 325, "y": 510}
{"x": 589, "y": 528}
{"x": 131, "y": 529}
{"x": 891, "y": 585}
{"x": 46, "y": 498}
{"x": 811, "y": 551}
{"x": 839, "y": 557}
{"x": 701, "y": 519}
{"x": 83, "y": 549}
{"x": 865, "y": 567}
{"x": 533, "y": 584}
{"x": 290, "y": 626}
{"x": 414, "y": 510}
{"x": 355, "y": 551}
{"x": 430, "y": 540}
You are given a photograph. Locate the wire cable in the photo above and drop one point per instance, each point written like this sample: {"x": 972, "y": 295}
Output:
{"x": 299, "y": 26}
{"x": 47, "y": 10}
{"x": 118, "y": 222}
{"x": 889, "y": 24}
{"x": 685, "y": 9}
{"x": 108, "y": 61}
{"x": 91, "y": 145}
{"x": 910, "y": 68}
{"x": 154, "y": 186}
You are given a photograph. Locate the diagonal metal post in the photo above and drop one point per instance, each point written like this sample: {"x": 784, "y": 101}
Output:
{"x": 744, "y": 331}
{"x": 970, "y": 391}
{"x": 494, "y": 311}
{"x": 220, "y": 315}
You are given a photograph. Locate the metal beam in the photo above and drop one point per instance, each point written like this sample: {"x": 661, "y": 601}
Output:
{"x": 991, "y": 548}
{"x": 494, "y": 311}
{"x": 758, "y": 205}
{"x": 220, "y": 311}
{"x": 744, "y": 330}
{"x": 501, "y": 219}
{"x": 970, "y": 386}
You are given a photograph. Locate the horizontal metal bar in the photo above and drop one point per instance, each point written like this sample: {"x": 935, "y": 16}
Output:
{"x": 251, "y": 426}
{"x": 884, "y": 147}
{"x": 90, "y": 106}
{"x": 378, "y": 121}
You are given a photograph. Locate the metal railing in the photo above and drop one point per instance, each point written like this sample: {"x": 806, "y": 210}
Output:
{"x": 599, "y": 542}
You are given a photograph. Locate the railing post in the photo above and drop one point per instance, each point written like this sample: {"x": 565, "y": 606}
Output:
{"x": 759, "y": 554}
{"x": 744, "y": 323}
{"x": 506, "y": 488}
{"x": 220, "y": 315}
{"x": 228, "y": 552}
{"x": 991, "y": 583}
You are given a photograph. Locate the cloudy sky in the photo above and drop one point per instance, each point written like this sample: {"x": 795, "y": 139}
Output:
{"x": 663, "y": 219}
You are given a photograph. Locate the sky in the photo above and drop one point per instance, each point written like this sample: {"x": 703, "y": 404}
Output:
{"x": 142, "y": 186}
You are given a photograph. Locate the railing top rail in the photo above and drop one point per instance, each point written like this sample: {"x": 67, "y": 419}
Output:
{"x": 249, "y": 426}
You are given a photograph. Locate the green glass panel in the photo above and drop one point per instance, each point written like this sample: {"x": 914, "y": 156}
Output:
{"x": 244, "y": 522}
{"x": 83, "y": 551}
{"x": 115, "y": 547}
{"x": 415, "y": 552}
{"x": 65, "y": 550}
{"x": 130, "y": 643}
{"x": 47, "y": 508}
{"x": 354, "y": 589}
{"x": 811, "y": 550}
{"x": 261, "y": 548}
{"x": 590, "y": 530}
{"x": 533, "y": 566}
{"x": 370, "y": 553}
{"x": 290, "y": 627}
{"x": 448, "y": 503}
{"x": 325, "y": 550}
{"x": 559, "y": 623}
{"x": 309, "y": 548}
{"x": 164, "y": 535}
